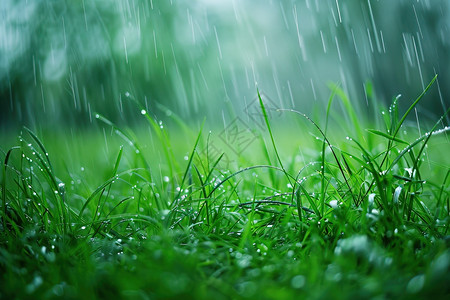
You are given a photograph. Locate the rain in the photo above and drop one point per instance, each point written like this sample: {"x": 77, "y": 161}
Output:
{"x": 64, "y": 62}
{"x": 234, "y": 148}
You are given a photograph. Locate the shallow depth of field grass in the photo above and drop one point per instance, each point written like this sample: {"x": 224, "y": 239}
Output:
{"x": 301, "y": 214}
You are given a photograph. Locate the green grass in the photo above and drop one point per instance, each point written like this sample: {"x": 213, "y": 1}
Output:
{"x": 312, "y": 213}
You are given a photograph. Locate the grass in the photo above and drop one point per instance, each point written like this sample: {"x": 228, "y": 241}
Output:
{"x": 321, "y": 217}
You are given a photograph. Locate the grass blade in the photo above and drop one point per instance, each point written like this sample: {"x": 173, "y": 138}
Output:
{"x": 266, "y": 120}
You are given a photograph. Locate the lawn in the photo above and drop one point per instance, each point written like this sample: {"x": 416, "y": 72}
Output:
{"x": 331, "y": 208}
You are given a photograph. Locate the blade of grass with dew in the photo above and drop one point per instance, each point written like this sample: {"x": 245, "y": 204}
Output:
{"x": 210, "y": 172}
{"x": 413, "y": 144}
{"x": 329, "y": 146}
{"x": 162, "y": 135}
{"x": 166, "y": 145}
{"x": 240, "y": 171}
{"x": 322, "y": 166}
{"x": 376, "y": 173}
{"x": 269, "y": 161}
{"x": 99, "y": 207}
{"x": 266, "y": 120}
{"x": 116, "y": 165}
{"x": 4, "y": 169}
{"x": 310, "y": 200}
{"x": 100, "y": 188}
{"x": 206, "y": 205}
{"x": 202, "y": 184}
{"x": 428, "y": 136}
{"x": 130, "y": 141}
{"x": 177, "y": 201}
{"x": 40, "y": 144}
{"x": 247, "y": 232}
{"x": 47, "y": 172}
{"x": 405, "y": 115}
{"x": 385, "y": 135}
{"x": 178, "y": 120}
{"x": 415, "y": 169}
{"x": 188, "y": 166}
{"x": 441, "y": 192}
{"x": 348, "y": 106}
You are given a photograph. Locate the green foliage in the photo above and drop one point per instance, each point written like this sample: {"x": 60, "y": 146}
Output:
{"x": 364, "y": 217}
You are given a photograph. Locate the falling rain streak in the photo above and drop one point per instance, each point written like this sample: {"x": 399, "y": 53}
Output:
{"x": 209, "y": 147}
{"x": 205, "y": 58}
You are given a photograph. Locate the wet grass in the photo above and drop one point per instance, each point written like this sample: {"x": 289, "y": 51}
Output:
{"x": 306, "y": 214}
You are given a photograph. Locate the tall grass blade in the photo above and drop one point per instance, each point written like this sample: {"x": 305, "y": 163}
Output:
{"x": 341, "y": 169}
{"x": 385, "y": 135}
{"x": 41, "y": 145}
{"x": 405, "y": 115}
{"x": 348, "y": 106}
{"x": 4, "y": 169}
{"x": 266, "y": 120}
{"x": 119, "y": 157}
{"x": 188, "y": 167}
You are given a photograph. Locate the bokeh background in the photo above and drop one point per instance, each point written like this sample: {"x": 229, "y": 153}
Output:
{"x": 62, "y": 62}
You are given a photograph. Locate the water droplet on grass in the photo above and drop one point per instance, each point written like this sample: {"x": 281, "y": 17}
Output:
{"x": 334, "y": 204}
{"x": 298, "y": 281}
{"x": 415, "y": 284}
{"x": 37, "y": 281}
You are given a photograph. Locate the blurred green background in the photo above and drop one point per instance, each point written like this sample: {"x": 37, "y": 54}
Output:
{"x": 61, "y": 62}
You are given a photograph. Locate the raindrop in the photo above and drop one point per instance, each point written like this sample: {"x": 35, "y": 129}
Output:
{"x": 416, "y": 284}
{"x": 298, "y": 281}
{"x": 218, "y": 43}
{"x": 334, "y": 204}
{"x": 323, "y": 42}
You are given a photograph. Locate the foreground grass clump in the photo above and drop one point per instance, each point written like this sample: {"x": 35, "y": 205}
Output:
{"x": 362, "y": 217}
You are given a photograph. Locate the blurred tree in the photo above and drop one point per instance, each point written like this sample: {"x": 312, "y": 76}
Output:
{"x": 61, "y": 61}
{"x": 77, "y": 57}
